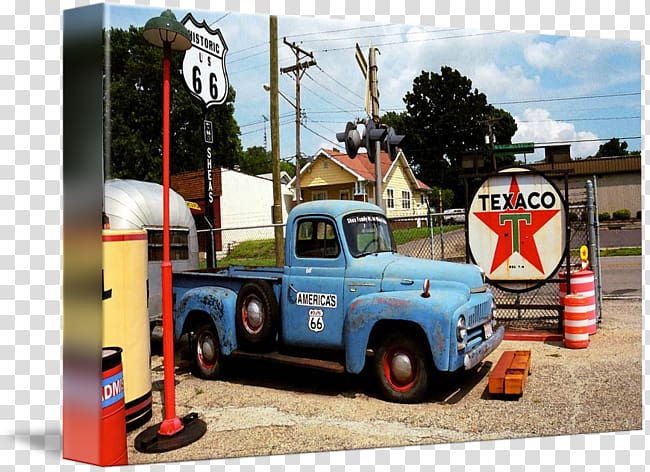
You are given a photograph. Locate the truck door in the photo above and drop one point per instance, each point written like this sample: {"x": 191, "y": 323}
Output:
{"x": 313, "y": 292}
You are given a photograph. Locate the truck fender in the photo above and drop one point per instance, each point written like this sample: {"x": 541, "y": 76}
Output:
{"x": 432, "y": 315}
{"x": 218, "y": 304}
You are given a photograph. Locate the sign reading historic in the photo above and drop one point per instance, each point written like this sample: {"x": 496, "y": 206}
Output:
{"x": 516, "y": 227}
{"x": 204, "y": 65}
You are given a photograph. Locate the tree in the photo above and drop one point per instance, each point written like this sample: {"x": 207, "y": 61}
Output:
{"x": 445, "y": 118}
{"x": 134, "y": 114}
{"x": 612, "y": 148}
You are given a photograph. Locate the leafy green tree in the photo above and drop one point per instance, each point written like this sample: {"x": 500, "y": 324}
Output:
{"x": 445, "y": 117}
{"x": 613, "y": 147}
{"x": 256, "y": 160}
{"x": 134, "y": 114}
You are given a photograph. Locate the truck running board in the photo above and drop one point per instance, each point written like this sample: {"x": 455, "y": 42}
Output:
{"x": 319, "y": 364}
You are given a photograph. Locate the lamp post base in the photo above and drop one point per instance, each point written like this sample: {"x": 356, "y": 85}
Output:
{"x": 151, "y": 441}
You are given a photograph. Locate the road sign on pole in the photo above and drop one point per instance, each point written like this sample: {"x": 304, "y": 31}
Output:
{"x": 204, "y": 65}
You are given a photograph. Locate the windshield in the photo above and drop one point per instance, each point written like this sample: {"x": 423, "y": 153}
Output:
{"x": 367, "y": 233}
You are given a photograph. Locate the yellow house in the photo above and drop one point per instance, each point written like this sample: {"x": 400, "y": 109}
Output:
{"x": 333, "y": 175}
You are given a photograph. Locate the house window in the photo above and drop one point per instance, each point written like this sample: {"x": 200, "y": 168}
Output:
{"x": 360, "y": 188}
{"x": 406, "y": 200}
{"x": 390, "y": 198}
{"x": 319, "y": 195}
{"x": 344, "y": 195}
{"x": 178, "y": 246}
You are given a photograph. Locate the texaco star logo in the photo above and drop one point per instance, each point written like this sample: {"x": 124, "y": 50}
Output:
{"x": 516, "y": 227}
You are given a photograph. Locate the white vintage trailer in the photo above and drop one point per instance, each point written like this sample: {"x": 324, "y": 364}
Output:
{"x": 133, "y": 204}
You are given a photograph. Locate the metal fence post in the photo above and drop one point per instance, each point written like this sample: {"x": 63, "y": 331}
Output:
{"x": 597, "y": 268}
{"x": 430, "y": 220}
{"x": 594, "y": 250}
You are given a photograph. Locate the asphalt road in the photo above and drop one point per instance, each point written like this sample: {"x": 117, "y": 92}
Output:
{"x": 621, "y": 276}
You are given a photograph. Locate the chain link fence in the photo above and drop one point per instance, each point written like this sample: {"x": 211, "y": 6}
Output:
{"x": 427, "y": 237}
{"x": 536, "y": 309}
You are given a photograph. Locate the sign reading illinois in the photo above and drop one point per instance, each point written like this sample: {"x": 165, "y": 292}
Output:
{"x": 204, "y": 64}
{"x": 516, "y": 227}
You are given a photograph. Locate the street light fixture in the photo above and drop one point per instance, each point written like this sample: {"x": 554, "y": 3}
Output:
{"x": 169, "y": 34}
{"x": 298, "y": 196}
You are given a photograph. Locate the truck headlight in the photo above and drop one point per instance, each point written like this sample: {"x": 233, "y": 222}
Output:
{"x": 461, "y": 329}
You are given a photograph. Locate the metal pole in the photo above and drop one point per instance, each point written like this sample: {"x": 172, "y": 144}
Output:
{"x": 275, "y": 141}
{"x": 171, "y": 424}
{"x": 298, "y": 191}
{"x": 442, "y": 238}
{"x": 430, "y": 218}
{"x": 599, "y": 286}
{"x": 379, "y": 201}
{"x": 209, "y": 202}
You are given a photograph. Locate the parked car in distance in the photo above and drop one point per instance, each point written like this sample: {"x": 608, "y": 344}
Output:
{"x": 453, "y": 215}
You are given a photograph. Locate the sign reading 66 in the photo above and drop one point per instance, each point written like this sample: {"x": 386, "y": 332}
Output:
{"x": 204, "y": 65}
{"x": 315, "y": 322}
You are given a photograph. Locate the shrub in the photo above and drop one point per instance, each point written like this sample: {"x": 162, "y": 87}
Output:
{"x": 573, "y": 216}
{"x": 604, "y": 216}
{"x": 623, "y": 214}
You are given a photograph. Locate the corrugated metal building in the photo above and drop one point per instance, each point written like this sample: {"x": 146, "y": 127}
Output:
{"x": 618, "y": 179}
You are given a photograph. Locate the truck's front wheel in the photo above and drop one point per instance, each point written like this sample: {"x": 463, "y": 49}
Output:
{"x": 402, "y": 366}
{"x": 206, "y": 352}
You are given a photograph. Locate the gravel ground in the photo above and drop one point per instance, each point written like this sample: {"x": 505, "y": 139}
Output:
{"x": 264, "y": 409}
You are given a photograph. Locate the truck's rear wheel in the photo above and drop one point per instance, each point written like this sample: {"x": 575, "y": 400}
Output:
{"x": 402, "y": 366}
{"x": 257, "y": 315}
{"x": 206, "y": 352}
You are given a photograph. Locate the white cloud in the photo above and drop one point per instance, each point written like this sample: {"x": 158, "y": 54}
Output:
{"x": 493, "y": 81}
{"x": 586, "y": 58}
{"x": 537, "y": 126}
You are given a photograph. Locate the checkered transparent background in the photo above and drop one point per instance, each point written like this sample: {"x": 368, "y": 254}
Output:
{"x": 30, "y": 231}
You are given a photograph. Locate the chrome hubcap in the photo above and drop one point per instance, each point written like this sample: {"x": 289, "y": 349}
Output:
{"x": 401, "y": 368}
{"x": 207, "y": 349}
{"x": 254, "y": 315}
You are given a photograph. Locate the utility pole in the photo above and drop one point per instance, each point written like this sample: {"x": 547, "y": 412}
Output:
{"x": 298, "y": 70}
{"x": 275, "y": 142}
{"x": 374, "y": 102}
{"x": 490, "y": 123}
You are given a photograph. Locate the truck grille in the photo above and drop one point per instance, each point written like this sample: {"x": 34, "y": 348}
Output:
{"x": 480, "y": 314}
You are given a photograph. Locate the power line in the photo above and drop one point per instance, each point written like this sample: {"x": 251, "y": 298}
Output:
{"x": 539, "y": 145}
{"x": 340, "y": 83}
{"x": 418, "y": 40}
{"x": 557, "y": 99}
{"x": 604, "y": 118}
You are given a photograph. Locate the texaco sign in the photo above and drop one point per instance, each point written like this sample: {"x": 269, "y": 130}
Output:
{"x": 516, "y": 228}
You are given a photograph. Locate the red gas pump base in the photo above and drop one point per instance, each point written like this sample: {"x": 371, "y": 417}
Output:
{"x": 151, "y": 441}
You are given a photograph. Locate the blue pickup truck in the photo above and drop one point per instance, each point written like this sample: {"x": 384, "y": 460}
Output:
{"x": 344, "y": 299}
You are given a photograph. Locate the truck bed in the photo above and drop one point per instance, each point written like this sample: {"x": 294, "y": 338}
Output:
{"x": 237, "y": 274}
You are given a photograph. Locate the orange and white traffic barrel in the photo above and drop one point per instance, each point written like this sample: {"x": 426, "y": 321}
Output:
{"x": 576, "y": 321}
{"x": 582, "y": 282}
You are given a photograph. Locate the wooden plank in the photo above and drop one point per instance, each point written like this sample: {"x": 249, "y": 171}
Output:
{"x": 496, "y": 380}
{"x": 510, "y": 374}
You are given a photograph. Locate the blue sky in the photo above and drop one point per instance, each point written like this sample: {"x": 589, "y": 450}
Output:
{"x": 558, "y": 89}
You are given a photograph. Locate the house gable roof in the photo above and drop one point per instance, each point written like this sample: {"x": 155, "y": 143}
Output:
{"x": 361, "y": 167}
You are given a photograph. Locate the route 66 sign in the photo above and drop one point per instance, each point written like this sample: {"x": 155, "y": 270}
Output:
{"x": 204, "y": 66}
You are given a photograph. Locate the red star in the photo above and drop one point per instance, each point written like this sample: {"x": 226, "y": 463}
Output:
{"x": 520, "y": 238}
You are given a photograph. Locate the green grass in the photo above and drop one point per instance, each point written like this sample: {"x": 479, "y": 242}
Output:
{"x": 262, "y": 253}
{"x": 251, "y": 253}
{"x": 403, "y": 236}
{"x": 621, "y": 251}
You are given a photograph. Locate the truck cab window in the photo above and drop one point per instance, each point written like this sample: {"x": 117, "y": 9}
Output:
{"x": 367, "y": 233}
{"x": 316, "y": 238}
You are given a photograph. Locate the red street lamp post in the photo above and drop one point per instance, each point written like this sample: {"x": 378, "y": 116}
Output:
{"x": 166, "y": 32}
